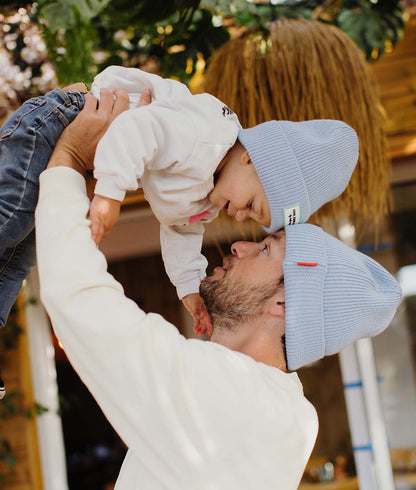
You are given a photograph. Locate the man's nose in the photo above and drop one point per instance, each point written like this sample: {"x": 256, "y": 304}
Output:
{"x": 243, "y": 249}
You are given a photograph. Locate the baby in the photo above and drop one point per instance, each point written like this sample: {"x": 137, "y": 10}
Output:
{"x": 192, "y": 159}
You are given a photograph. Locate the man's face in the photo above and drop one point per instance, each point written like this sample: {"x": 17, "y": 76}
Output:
{"x": 238, "y": 290}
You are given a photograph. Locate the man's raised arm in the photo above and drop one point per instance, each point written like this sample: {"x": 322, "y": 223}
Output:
{"x": 77, "y": 144}
{"x": 105, "y": 335}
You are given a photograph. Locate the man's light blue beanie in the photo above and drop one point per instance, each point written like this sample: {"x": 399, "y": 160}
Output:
{"x": 301, "y": 165}
{"x": 334, "y": 295}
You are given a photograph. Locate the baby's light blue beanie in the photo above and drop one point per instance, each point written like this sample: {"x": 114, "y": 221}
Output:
{"x": 301, "y": 165}
{"x": 334, "y": 295}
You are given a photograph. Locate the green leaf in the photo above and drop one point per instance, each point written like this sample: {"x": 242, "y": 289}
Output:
{"x": 62, "y": 14}
{"x": 6, "y": 453}
{"x": 352, "y": 23}
{"x": 58, "y": 16}
{"x": 371, "y": 26}
{"x": 40, "y": 409}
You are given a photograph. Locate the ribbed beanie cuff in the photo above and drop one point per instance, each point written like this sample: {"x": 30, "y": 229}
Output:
{"x": 304, "y": 294}
{"x": 334, "y": 295}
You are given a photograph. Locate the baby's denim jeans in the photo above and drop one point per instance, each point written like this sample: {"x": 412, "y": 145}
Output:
{"x": 27, "y": 140}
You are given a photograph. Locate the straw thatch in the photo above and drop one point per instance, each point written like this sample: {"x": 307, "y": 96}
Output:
{"x": 309, "y": 70}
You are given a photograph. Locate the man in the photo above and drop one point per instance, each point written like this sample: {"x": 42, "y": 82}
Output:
{"x": 197, "y": 415}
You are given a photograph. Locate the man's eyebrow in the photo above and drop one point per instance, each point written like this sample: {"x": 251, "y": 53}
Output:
{"x": 276, "y": 236}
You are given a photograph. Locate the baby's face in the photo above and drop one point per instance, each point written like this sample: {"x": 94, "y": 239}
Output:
{"x": 238, "y": 189}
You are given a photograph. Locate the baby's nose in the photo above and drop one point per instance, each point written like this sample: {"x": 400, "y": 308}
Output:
{"x": 242, "y": 214}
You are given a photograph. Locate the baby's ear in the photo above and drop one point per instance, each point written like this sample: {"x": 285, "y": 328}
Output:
{"x": 245, "y": 158}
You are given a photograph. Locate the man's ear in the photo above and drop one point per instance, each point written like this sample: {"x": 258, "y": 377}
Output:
{"x": 245, "y": 158}
{"x": 277, "y": 307}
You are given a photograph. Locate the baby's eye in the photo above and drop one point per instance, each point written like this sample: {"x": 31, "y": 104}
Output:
{"x": 250, "y": 205}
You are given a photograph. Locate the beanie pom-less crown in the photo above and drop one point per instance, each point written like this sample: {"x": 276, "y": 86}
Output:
{"x": 301, "y": 165}
{"x": 334, "y": 295}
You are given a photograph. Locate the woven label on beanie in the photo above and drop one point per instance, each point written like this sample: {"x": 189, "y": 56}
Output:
{"x": 291, "y": 215}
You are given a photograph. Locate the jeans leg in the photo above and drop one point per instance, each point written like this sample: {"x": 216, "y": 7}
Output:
{"x": 27, "y": 140}
{"x": 15, "y": 264}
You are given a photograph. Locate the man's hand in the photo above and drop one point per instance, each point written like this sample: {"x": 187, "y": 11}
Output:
{"x": 78, "y": 142}
{"x": 196, "y": 307}
{"x": 104, "y": 213}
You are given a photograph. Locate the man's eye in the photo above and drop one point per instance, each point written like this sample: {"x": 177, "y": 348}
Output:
{"x": 265, "y": 248}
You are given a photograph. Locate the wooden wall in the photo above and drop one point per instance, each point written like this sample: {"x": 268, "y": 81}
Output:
{"x": 396, "y": 76}
{"x": 19, "y": 429}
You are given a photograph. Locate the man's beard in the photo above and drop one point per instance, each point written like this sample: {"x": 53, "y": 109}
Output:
{"x": 231, "y": 303}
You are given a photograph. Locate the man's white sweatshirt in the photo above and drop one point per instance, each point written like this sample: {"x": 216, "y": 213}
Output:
{"x": 194, "y": 415}
{"x": 171, "y": 148}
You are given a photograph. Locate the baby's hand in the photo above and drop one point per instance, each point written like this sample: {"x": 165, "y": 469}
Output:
{"x": 104, "y": 214}
{"x": 196, "y": 307}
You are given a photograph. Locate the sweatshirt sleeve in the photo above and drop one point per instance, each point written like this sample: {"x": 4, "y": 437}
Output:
{"x": 181, "y": 252}
{"x": 147, "y": 137}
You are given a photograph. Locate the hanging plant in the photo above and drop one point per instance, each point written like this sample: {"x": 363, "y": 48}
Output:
{"x": 84, "y": 36}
